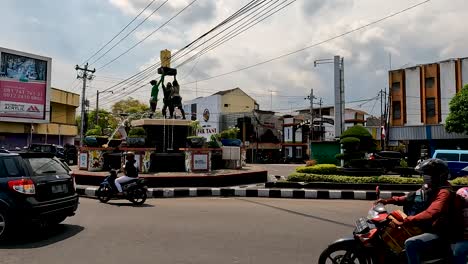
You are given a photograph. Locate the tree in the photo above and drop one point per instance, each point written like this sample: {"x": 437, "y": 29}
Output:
{"x": 457, "y": 120}
{"x": 356, "y": 142}
{"x": 106, "y": 120}
{"x": 129, "y": 106}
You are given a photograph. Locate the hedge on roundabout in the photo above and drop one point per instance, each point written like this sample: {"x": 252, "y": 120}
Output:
{"x": 329, "y": 173}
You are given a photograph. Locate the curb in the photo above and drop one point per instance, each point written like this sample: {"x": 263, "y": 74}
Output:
{"x": 261, "y": 192}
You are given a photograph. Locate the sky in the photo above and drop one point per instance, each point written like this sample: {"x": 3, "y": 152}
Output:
{"x": 71, "y": 31}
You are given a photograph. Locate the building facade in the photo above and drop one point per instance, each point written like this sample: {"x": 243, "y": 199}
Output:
{"x": 324, "y": 121}
{"x": 60, "y": 130}
{"x": 295, "y": 137}
{"x": 209, "y": 110}
{"x": 419, "y": 105}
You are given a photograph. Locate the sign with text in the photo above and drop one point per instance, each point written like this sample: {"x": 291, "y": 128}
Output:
{"x": 83, "y": 163}
{"x": 200, "y": 161}
{"x": 24, "y": 87}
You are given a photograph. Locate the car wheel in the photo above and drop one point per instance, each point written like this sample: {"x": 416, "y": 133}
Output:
{"x": 4, "y": 225}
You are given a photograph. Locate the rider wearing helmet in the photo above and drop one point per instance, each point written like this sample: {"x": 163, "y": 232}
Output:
{"x": 130, "y": 170}
{"x": 430, "y": 211}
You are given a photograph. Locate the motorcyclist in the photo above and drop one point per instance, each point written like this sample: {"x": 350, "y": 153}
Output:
{"x": 428, "y": 208}
{"x": 130, "y": 171}
{"x": 460, "y": 247}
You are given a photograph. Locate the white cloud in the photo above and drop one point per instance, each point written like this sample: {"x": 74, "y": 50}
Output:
{"x": 428, "y": 33}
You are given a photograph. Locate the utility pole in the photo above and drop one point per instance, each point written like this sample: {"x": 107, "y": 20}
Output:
{"x": 97, "y": 104}
{"x": 84, "y": 75}
{"x": 97, "y": 107}
{"x": 381, "y": 120}
{"x": 321, "y": 119}
{"x": 311, "y": 114}
{"x": 243, "y": 131}
{"x": 311, "y": 135}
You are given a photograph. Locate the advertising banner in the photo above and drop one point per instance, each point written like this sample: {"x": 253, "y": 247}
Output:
{"x": 24, "y": 87}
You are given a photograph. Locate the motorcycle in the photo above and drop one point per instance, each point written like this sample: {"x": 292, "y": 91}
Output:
{"x": 134, "y": 190}
{"x": 376, "y": 240}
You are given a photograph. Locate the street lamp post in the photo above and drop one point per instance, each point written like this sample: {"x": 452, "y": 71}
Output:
{"x": 339, "y": 90}
{"x": 339, "y": 107}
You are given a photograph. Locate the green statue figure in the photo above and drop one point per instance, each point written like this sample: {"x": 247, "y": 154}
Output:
{"x": 154, "y": 94}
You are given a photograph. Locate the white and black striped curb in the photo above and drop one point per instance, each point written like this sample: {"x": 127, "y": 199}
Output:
{"x": 242, "y": 192}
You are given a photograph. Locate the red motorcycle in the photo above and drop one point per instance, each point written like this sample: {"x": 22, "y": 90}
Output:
{"x": 376, "y": 240}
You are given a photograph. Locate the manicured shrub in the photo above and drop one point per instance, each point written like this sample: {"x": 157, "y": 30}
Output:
{"x": 304, "y": 177}
{"x": 322, "y": 169}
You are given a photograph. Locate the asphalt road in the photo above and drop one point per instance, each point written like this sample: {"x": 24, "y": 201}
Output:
{"x": 191, "y": 230}
{"x": 280, "y": 169}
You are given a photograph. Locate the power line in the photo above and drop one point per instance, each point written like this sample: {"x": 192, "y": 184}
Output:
{"x": 153, "y": 67}
{"x": 149, "y": 35}
{"x": 243, "y": 10}
{"x": 255, "y": 5}
{"x": 122, "y": 30}
{"x": 240, "y": 29}
{"x": 316, "y": 44}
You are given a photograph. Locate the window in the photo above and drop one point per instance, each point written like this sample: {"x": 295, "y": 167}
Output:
{"x": 226, "y": 105}
{"x": 430, "y": 107}
{"x": 11, "y": 167}
{"x": 395, "y": 86}
{"x": 298, "y": 152}
{"x": 448, "y": 156}
{"x": 44, "y": 166}
{"x": 430, "y": 82}
{"x": 396, "y": 110}
{"x": 464, "y": 157}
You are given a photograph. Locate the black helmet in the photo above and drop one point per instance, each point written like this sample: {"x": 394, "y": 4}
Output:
{"x": 434, "y": 171}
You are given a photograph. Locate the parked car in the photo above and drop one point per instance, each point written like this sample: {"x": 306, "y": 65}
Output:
{"x": 57, "y": 150}
{"x": 389, "y": 160}
{"x": 35, "y": 188}
{"x": 456, "y": 159}
{"x": 71, "y": 154}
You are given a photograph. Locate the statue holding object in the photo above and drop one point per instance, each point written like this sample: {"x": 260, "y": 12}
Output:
{"x": 172, "y": 97}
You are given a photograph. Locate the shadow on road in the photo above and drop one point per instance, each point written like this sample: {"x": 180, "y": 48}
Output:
{"x": 26, "y": 239}
{"x": 299, "y": 213}
{"x": 129, "y": 204}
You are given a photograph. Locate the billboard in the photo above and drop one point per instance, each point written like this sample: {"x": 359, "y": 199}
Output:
{"x": 24, "y": 87}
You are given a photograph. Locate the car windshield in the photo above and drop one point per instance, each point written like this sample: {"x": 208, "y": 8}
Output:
{"x": 45, "y": 166}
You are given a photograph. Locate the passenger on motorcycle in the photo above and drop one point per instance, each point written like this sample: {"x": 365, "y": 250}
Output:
{"x": 130, "y": 171}
{"x": 460, "y": 248}
{"x": 427, "y": 208}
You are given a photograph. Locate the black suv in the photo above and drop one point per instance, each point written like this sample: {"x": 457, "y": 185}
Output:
{"x": 389, "y": 160}
{"x": 34, "y": 188}
{"x": 57, "y": 150}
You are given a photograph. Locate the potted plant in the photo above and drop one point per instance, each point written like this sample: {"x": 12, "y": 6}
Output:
{"x": 194, "y": 141}
{"x": 94, "y": 137}
{"x": 115, "y": 141}
{"x": 136, "y": 137}
{"x": 214, "y": 141}
{"x": 229, "y": 137}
